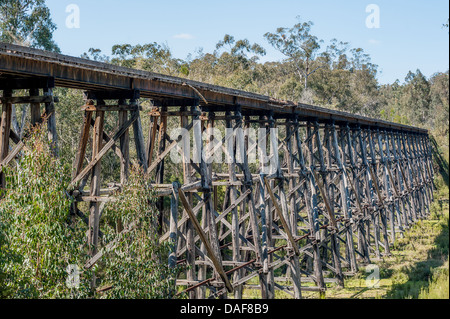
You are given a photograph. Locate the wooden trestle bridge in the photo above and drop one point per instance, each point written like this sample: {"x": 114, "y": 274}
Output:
{"x": 345, "y": 186}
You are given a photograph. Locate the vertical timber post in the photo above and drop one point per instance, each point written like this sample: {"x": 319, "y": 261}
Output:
{"x": 293, "y": 260}
{"x": 94, "y": 207}
{"x": 314, "y": 210}
{"x": 5, "y": 129}
{"x": 51, "y": 121}
{"x": 231, "y": 160}
{"x": 345, "y": 198}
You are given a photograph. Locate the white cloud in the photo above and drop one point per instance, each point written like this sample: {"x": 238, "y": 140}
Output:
{"x": 374, "y": 42}
{"x": 184, "y": 36}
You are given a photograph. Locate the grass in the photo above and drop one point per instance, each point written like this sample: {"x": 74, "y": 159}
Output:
{"x": 438, "y": 287}
{"x": 418, "y": 267}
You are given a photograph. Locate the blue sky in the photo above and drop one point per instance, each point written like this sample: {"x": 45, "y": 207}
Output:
{"x": 410, "y": 35}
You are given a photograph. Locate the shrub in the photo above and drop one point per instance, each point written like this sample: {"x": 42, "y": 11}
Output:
{"x": 137, "y": 266}
{"x": 37, "y": 245}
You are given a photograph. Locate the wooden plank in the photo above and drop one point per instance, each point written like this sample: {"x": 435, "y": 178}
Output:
{"x": 95, "y": 182}
{"x": 24, "y": 83}
{"x": 94, "y": 207}
{"x": 152, "y": 139}
{"x": 325, "y": 199}
{"x": 345, "y": 199}
{"x": 291, "y": 147}
{"x": 189, "y": 226}
{"x": 312, "y": 206}
{"x": 209, "y": 214}
{"x": 234, "y": 204}
{"x": 96, "y": 199}
{"x": 14, "y": 137}
{"x": 91, "y": 262}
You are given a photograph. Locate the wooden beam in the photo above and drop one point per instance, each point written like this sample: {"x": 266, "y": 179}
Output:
{"x": 281, "y": 217}
{"x": 211, "y": 255}
{"x": 167, "y": 150}
{"x": 27, "y": 99}
{"x": 5, "y": 129}
{"x": 35, "y": 108}
{"x": 94, "y": 207}
{"x": 111, "y": 108}
{"x": 22, "y": 83}
{"x": 124, "y": 148}
{"x": 51, "y": 121}
{"x": 325, "y": 200}
{"x": 91, "y": 262}
{"x": 11, "y": 155}
{"x": 84, "y": 137}
{"x": 103, "y": 151}
{"x": 173, "y": 228}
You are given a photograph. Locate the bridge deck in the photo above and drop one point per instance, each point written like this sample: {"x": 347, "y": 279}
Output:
{"x": 85, "y": 74}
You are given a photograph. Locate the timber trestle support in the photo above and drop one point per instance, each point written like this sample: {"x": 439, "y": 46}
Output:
{"x": 326, "y": 193}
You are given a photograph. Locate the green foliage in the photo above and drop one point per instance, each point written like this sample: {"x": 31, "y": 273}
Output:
{"x": 39, "y": 239}
{"x": 28, "y": 23}
{"x": 438, "y": 286}
{"x": 151, "y": 57}
{"x": 136, "y": 266}
{"x": 299, "y": 45}
{"x": 239, "y": 49}
{"x": 37, "y": 244}
{"x": 424, "y": 103}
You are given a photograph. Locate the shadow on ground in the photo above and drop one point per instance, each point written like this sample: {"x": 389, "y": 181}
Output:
{"x": 420, "y": 274}
{"x": 440, "y": 161}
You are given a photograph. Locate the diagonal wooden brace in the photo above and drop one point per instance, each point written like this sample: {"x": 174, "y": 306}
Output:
{"x": 161, "y": 157}
{"x": 325, "y": 199}
{"x": 283, "y": 221}
{"x": 198, "y": 228}
{"x": 105, "y": 149}
{"x": 11, "y": 155}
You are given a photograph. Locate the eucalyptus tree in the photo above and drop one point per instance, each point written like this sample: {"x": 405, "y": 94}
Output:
{"x": 417, "y": 99}
{"x": 237, "y": 55}
{"x": 299, "y": 46}
{"x": 241, "y": 48}
{"x": 27, "y": 23}
{"x": 233, "y": 64}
